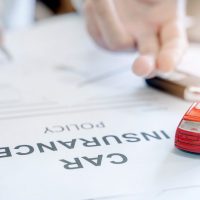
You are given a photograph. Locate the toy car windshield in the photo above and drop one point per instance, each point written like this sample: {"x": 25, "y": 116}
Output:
{"x": 190, "y": 126}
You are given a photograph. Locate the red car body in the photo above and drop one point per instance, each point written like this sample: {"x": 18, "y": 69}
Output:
{"x": 188, "y": 132}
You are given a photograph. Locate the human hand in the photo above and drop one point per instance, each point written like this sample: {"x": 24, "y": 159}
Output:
{"x": 154, "y": 27}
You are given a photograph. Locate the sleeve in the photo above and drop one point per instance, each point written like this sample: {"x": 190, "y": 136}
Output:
{"x": 78, "y": 5}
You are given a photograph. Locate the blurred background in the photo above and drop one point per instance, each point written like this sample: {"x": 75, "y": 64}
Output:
{"x": 20, "y": 14}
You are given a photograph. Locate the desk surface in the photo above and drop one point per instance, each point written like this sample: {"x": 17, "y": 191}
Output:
{"x": 63, "y": 100}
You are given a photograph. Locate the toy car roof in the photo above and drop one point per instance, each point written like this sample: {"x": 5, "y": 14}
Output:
{"x": 193, "y": 114}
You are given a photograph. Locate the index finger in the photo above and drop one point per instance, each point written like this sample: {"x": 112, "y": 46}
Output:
{"x": 173, "y": 45}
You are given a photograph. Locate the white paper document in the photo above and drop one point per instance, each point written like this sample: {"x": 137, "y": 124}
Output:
{"x": 76, "y": 124}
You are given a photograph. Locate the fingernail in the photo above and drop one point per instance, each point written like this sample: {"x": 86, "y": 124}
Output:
{"x": 144, "y": 65}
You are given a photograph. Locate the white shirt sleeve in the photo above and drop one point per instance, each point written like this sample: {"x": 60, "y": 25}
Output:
{"x": 78, "y": 4}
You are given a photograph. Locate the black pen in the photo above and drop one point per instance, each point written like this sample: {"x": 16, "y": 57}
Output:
{"x": 178, "y": 83}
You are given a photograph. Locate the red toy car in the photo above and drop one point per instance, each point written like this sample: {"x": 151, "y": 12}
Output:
{"x": 188, "y": 132}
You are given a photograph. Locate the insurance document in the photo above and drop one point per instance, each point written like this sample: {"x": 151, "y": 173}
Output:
{"x": 76, "y": 124}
